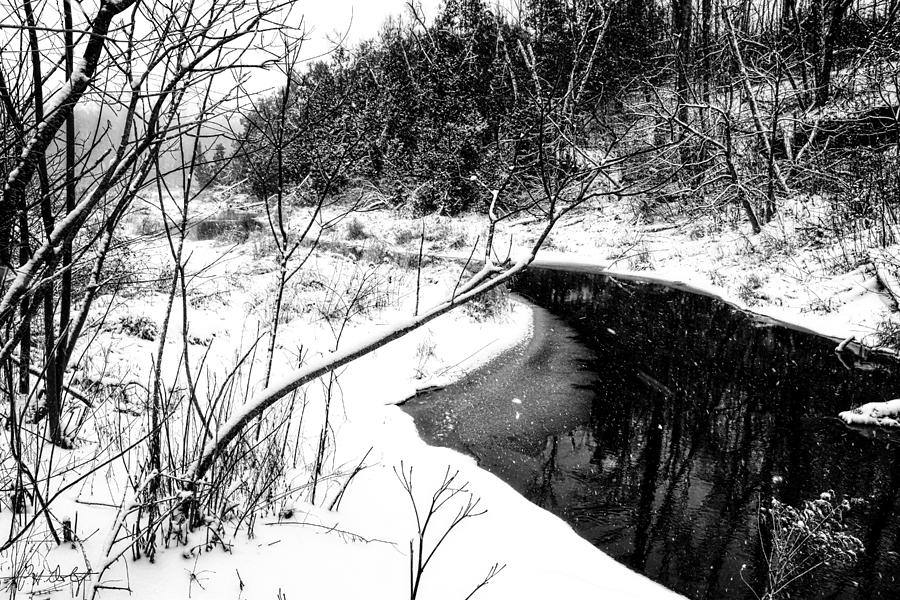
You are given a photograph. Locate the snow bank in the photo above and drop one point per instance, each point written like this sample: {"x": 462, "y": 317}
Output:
{"x": 850, "y": 322}
{"x": 793, "y": 273}
{"x": 877, "y": 414}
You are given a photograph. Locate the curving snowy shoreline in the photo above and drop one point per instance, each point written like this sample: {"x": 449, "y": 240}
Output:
{"x": 308, "y": 556}
{"x": 838, "y": 326}
{"x": 543, "y": 555}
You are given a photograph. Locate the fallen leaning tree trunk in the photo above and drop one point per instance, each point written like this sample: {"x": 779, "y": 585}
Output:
{"x": 486, "y": 279}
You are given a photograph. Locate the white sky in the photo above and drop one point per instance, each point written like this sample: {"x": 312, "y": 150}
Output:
{"x": 360, "y": 19}
{"x": 329, "y": 21}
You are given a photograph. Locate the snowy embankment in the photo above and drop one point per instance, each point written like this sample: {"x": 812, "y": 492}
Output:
{"x": 362, "y": 549}
{"x": 794, "y": 272}
{"x": 850, "y": 322}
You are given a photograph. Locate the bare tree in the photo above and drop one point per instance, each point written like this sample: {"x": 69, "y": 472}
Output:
{"x": 147, "y": 67}
{"x": 276, "y": 129}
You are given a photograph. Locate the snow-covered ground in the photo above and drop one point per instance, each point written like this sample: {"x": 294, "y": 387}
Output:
{"x": 794, "y": 271}
{"x": 300, "y": 547}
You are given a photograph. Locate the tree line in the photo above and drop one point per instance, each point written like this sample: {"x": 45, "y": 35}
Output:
{"x": 742, "y": 88}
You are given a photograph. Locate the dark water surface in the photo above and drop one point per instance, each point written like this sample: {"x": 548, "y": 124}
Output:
{"x": 654, "y": 421}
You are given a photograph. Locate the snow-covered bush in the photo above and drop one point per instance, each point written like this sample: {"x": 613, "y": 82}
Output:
{"x": 404, "y": 234}
{"x": 888, "y": 332}
{"x": 140, "y": 326}
{"x": 262, "y": 244}
{"x": 747, "y": 290}
{"x": 121, "y": 272}
{"x": 458, "y": 241}
{"x": 422, "y": 549}
{"x": 376, "y": 252}
{"x": 806, "y": 538}
{"x": 162, "y": 279}
{"x": 425, "y": 350}
{"x": 343, "y": 297}
{"x": 234, "y": 234}
{"x": 865, "y": 205}
{"x": 640, "y": 260}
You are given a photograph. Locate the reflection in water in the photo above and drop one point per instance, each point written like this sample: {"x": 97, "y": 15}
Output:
{"x": 696, "y": 409}
{"x": 695, "y": 413}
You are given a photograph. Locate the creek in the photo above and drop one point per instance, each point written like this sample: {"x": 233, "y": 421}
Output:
{"x": 656, "y": 422}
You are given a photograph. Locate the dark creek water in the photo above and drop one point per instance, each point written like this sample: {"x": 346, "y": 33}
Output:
{"x": 653, "y": 421}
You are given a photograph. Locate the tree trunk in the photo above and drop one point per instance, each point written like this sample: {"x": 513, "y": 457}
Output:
{"x": 831, "y": 21}
{"x": 706, "y": 41}
{"x": 65, "y": 293}
{"x": 787, "y": 14}
{"x": 51, "y": 387}
{"x": 24, "y": 307}
{"x": 682, "y": 25}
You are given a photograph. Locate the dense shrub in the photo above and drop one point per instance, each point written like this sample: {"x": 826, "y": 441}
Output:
{"x": 888, "y": 332}
{"x": 139, "y": 326}
{"x": 355, "y": 230}
{"x": 489, "y": 306}
{"x": 405, "y": 234}
{"x": 803, "y": 539}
